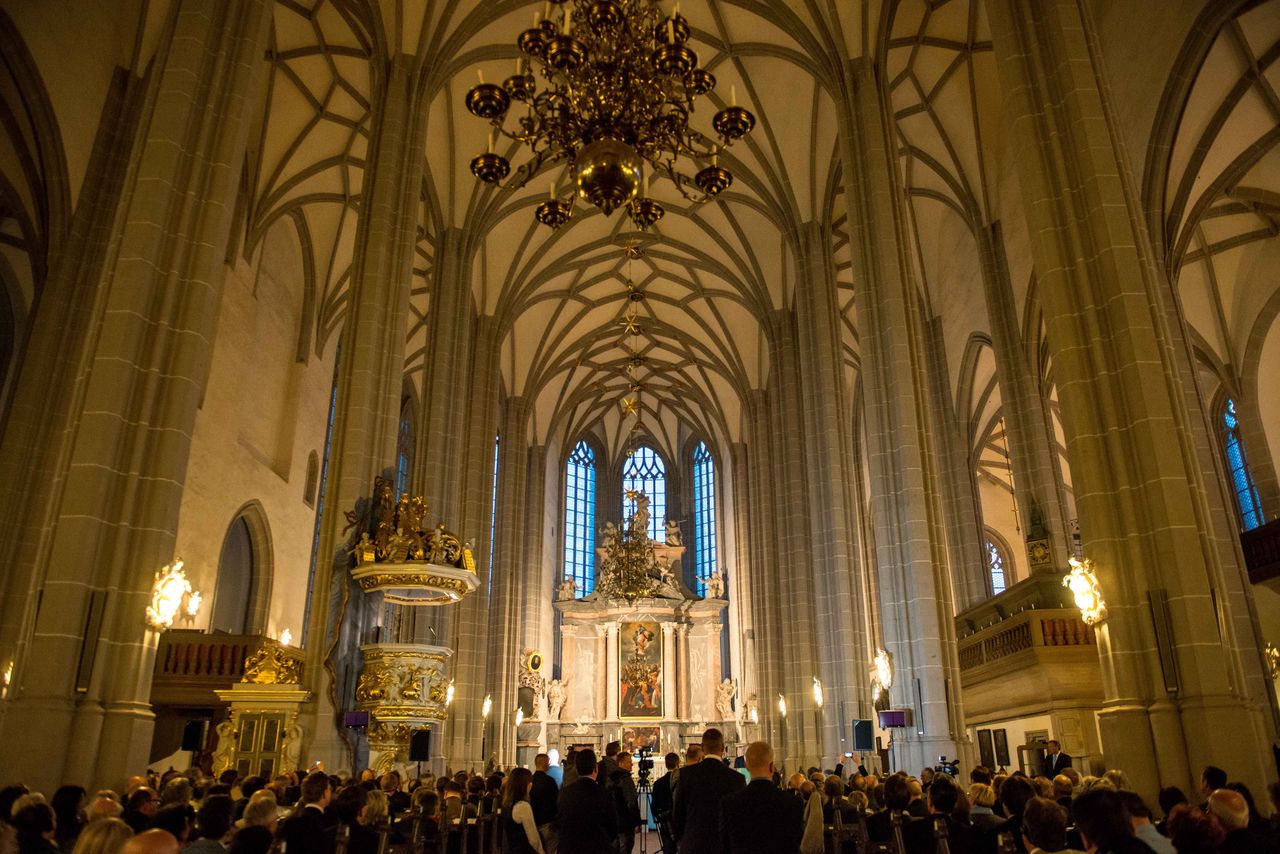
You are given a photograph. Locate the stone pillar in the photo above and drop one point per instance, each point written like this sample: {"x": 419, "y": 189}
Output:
{"x": 842, "y": 657}
{"x": 611, "y": 669}
{"x": 682, "y": 668}
{"x": 509, "y": 578}
{"x": 1138, "y": 458}
{"x": 1044, "y": 524}
{"x": 96, "y": 448}
{"x": 915, "y": 607}
{"x": 603, "y": 687}
{"x": 369, "y": 385}
{"x": 668, "y": 670}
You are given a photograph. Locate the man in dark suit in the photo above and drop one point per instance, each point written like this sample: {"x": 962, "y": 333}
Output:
{"x": 660, "y": 802}
{"x": 1054, "y": 760}
{"x": 585, "y": 819}
{"x": 310, "y": 828}
{"x": 696, "y": 811}
{"x": 761, "y": 819}
{"x": 542, "y": 797}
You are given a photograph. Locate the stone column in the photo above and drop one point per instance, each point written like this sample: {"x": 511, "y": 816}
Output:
{"x": 668, "y": 670}
{"x": 842, "y": 657}
{"x": 611, "y": 668}
{"x": 1136, "y": 446}
{"x": 95, "y": 454}
{"x": 603, "y": 686}
{"x": 1044, "y": 524}
{"x": 369, "y": 385}
{"x": 915, "y": 606}
{"x": 682, "y": 669}
{"x": 509, "y": 578}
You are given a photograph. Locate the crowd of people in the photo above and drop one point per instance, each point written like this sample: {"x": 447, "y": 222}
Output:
{"x": 593, "y": 805}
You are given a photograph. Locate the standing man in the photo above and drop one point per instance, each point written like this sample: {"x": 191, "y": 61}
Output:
{"x": 696, "y": 811}
{"x": 660, "y": 802}
{"x": 543, "y": 794}
{"x": 1055, "y": 760}
{"x": 626, "y": 802}
{"x": 761, "y": 819}
{"x": 310, "y": 828}
{"x": 585, "y": 823}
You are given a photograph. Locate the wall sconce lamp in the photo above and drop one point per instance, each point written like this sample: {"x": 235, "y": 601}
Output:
{"x": 1084, "y": 587}
{"x": 171, "y": 595}
{"x": 817, "y": 692}
{"x": 881, "y": 673}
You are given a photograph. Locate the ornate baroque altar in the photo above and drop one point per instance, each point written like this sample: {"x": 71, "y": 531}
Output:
{"x": 641, "y": 654}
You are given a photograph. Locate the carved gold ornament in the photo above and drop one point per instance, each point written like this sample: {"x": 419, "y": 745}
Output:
{"x": 271, "y": 665}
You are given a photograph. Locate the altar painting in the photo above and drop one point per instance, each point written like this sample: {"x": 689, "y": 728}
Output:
{"x": 640, "y": 669}
{"x": 637, "y": 738}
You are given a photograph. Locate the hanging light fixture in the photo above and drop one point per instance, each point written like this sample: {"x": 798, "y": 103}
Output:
{"x": 171, "y": 595}
{"x": 1085, "y": 589}
{"x": 620, "y": 86}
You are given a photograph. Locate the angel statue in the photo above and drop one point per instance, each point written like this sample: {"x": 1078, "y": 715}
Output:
{"x": 674, "y": 537}
{"x": 566, "y": 590}
{"x": 715, "y": 584}
{"x": 725, "y": 692}
{"x": 556, "y": 695}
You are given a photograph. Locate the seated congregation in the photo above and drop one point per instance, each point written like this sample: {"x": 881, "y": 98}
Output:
{"x": 603, "y": 806}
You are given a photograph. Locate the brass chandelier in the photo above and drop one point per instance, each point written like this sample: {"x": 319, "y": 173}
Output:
{"x": 620, "y": 85}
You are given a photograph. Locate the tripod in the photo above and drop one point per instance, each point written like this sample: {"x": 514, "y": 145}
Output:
{"x": 646, "y": 812}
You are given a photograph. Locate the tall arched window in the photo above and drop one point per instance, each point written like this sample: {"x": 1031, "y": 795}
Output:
{"x": 996, "y": 564}
{"x": 235, "y": 578}
{"x": 1247, "y": 501}
{"x": 644, "y": 471}
{"x": 580, "y": 518}
{"x": 704, "y": 515}
{"x": 404, "y": 449}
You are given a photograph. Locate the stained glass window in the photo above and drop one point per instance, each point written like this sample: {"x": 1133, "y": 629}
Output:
{"x": 704, "y": 515}
{"x": 996, "y": 567}
{"x": 404, "y": 450}
{"x": 580, "y": 518}
{"x": 1247, "y": 501}
{"x": 643, "y": 471}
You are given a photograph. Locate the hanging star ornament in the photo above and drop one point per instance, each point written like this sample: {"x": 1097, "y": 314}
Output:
{"x": 629, "y": 325}
{"x": 630, "y": 406}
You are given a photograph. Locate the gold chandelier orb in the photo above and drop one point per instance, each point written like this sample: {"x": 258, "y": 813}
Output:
{"x": 608, "y": 90}
{"x": 608, "y": 173}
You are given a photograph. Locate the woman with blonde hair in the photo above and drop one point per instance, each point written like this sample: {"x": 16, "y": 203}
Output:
{"x": 982, "y": 799}
{"x": 104, "y": 836}
{"x": 375, "y": 812}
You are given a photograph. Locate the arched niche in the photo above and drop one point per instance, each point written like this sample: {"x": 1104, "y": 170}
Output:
{"x": 242, "y": 593}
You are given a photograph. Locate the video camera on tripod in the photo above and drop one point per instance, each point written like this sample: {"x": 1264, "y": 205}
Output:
{"x": 644, "y": 765}
{"x": 951, "y": 767}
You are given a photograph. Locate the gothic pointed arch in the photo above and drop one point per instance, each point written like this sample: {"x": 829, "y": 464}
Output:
{"x": 242, "y": 593}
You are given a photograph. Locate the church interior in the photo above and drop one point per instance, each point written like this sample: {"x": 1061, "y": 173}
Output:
{"x": 397, "y": 384}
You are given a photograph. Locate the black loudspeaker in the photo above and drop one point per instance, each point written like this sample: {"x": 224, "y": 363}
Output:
{"x": 193, "y": 736}
{"x": 863, "y": 736}
{"x": 420, "y": 746}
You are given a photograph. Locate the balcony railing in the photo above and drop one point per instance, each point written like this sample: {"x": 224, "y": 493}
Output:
{"x": 1037, "y": 630}
{"x": 190, "y": 665}
{"x": 1261, "y": 548}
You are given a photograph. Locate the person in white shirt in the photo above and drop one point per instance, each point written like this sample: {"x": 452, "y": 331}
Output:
{"x": 521, "y": 835}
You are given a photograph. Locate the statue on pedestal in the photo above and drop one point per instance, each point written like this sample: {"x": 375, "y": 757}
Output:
{"x": 556, "y": 696}
{"x": 566, "y": 590}
{"x": 715, "y": 584}
{"x": 224, "y": 755}
{"x": 674, "y": 536}
{"x": 725, "y": 692}
{"x": 291, "y": 749}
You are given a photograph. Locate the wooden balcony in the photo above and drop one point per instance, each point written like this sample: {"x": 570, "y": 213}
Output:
{"x": 1261, "y": 548}
{"x": 1026, "y": 652}
{"x": 191, "y": 665}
